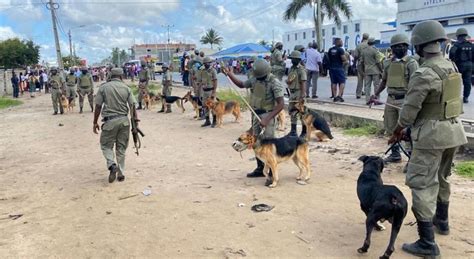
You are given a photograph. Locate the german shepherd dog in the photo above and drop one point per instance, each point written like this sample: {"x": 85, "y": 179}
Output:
{"x": 273, "y": 151}
{"x": 195, "y": 101}
{"x": 170, "y": 100}
{"x": 313, "y": 122}
{"x": 221, "y": 108}
{"x": 147, "y": 100}
{"x": 379, "y": 202}
{"x": 65, "y": 103}
{"x": 281, "y": 119}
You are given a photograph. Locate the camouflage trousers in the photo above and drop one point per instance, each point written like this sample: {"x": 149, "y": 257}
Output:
{"x": 269, "y": 131}
{"x": 369, "y": 79}
{"x": 116, "y": 133}
{"x": 293, "y": 100}
{"x": 71, "y": 92}
{"x": 204, "y": 96}
{"x": 427, "y": 175}
{"x": 390, "y": 115}
{"x": 142, "y": 91}
{"x": 90, "y": 96}
{"x": 56, "y": 99}
{"x": 360, "y": 80}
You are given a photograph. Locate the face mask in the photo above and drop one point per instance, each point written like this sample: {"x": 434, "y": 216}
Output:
{"x": 399, "y": 52}
{"x": 295, "y": 62}
{"x": 419, "y": 51}
{"x": 207, "y": 66}
{"x": 53, "y": 73}
{"x": 84, "y": 72}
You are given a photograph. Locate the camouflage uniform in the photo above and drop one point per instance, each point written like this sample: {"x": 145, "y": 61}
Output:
{"x": 207, "y": 79}
{"x": 85, "y": 87}
{"x": 277, "y": 62}
{"x": 71, "y": 89}
{"x": 360, "y": 64}
{"x": 296, "y": 77}
{"x": 56, "y": 83}
{"x": 166, "y": 82}
{"x": 143, "y": 79}
{"x": 371, "y": 69}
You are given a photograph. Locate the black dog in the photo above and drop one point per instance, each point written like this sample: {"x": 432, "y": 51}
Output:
{"x": 379, "y": 202}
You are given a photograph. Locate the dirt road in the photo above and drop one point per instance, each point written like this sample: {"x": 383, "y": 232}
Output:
{"x": 55, "y": 176}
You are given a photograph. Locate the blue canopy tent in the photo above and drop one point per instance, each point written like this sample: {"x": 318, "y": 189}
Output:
{"x": 242, "y": 50}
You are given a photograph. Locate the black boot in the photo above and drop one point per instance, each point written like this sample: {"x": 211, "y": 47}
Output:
{"x": 293, "y": 131}
{"x": 258, "y": 172}
{"x": 201, "y": 114}
{"x": 214, "y": 121}
{"x": 207, "y": 122}
{"x": 139, "y": 106}
{"x": 440, "y": 220}
{"x": 395, "y": 156}
{"x": 92, "y": 108}
{"x": 426, "y": 245}
{"x": 80, "y": 109}
{"x": 303, "y": 132}
{"x": 168, "y": 108}
{"x": 113, "y": 173}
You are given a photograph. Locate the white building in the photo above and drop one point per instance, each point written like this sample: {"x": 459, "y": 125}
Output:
{"x": 350, "y": 32}
{"x": 453, "y": 14}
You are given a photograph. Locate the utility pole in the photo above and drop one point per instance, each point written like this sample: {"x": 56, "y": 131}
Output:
{"x": 273, "y": 37}
{"x": 73, "y": 61}
{"x": 53, "y": 6}
{"x": 167, "y": 45}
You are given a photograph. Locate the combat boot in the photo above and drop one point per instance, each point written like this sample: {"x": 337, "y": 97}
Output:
{"x": 168, "y": 108}
{"x": 214, "y": 121}
{"x": 293, "y": 131}
{"x": 92, "y": 108}
{"x": 201, "y": 114}
{"x": 120, "y": 176}
{"x": 162, "y": 109}
{"x": 207, "y": 123}
{"x": 139, "y": 106}
{"x": 113, "y": 173}
{"x": 257, "y": 172}
{"x": 440, "y": 220}
{"x": 80, "y": 109}
{"x": 394, "y": 157}
{"x": 303, "y": 132}
{"x": 426, "y": 245}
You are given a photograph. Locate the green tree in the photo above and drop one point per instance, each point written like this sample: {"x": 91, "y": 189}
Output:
{"x": 212, "y": 37}
{"x": 332, "y": 9}
{"x": 124, "y": 56}
{"x": 69, "y": 61}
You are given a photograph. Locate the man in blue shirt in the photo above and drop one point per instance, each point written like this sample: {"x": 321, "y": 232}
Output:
{"x": 337, "y": 59}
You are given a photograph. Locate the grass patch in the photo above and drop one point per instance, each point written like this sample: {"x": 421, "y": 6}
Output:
{"x": 465, "y": 169}
{"x": 7, "y": 102}
{"x": 230, "y": 95}
{"x": 153, "y": 88}
{"x": 365, "y": 130}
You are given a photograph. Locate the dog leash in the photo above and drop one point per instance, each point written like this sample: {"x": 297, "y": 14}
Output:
{"x": 401, "y": 147}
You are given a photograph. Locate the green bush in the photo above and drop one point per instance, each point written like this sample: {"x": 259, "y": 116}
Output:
{"x": 231, "y": 95}
{"x": 365, "y": 130}
{"x": 465, "y": 169}
{"x": 155, "y": 89}
{"x": 7, "y": 102}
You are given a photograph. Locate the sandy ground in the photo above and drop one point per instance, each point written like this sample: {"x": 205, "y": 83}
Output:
{"x": 56, "y": 177}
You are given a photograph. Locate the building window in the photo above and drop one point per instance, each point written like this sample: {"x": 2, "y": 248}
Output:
{"x": 357, "y": 27}
{"x": 333, "y": 30}
{"x": 296, "y": 36}
{"x": 324, "y": 32}
{"x": 469, "y": 20}
{"x": 313, "y": 34}
{"x": 304, "y": 35}
{"x": 288, "y": 37}
{"x": 444, "y": 23}
{"x": 344, "y": 29}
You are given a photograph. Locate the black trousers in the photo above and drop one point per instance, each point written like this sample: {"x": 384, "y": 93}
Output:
{"x": 466, "y": 70}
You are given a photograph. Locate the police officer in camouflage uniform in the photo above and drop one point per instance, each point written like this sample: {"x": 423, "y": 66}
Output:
{"x": 431, "y": 108}
{"x": 151, "y": 68}
{"x": 396, "y": 76}
{"x": 56, "y": 83}
{"x": 266, "y": 99}
{"x": 71, "y": 89}
{"x": 277, "y": 62}
{"x": 208, "y": 84}
{"x": 143, "y": 79}
{"x": 166, "y": 82}
{"x": 115, "y": 101}
{"x": 462, "y": 53}
{"x": 360, "y": 64}
{"x": 296, "y": 84}
{"x": 85, "y": 87}
{"x": 372, "y": 68}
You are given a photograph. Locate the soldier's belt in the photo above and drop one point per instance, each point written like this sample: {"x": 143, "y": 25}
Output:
{"x": 293, "y": 90}
{"x": 261, "y": 111}
{"x": 108, "y": 118}
{"x": 397, "y": 96}
{"x": 207, "y": 89}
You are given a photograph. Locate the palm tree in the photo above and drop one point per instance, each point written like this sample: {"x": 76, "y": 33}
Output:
{"x": 263, "y": 42}
{"x": 211, "y": 37}
{"x": 321, "y": 9}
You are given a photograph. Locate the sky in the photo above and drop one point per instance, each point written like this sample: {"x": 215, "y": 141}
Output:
{"x": 97, "y": 26}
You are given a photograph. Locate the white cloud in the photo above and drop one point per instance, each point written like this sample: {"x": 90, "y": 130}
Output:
{"x": 7, "y": 32}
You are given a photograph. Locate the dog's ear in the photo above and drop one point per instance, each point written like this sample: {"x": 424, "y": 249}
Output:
{"x": 363, "y": 158}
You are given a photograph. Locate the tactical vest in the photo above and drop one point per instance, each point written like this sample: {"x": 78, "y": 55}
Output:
{"x": 164, "y": 80}
{"x": 71, "y": 80}
{"x": 464, "y": 52}
{"x": 397, "y": 76}
{"x": 262, "y": 96}
{"x": 85, "y": 81}
{"x": 294, "y": 78}
{"x": 447, "y": 104}
{"x": 206, "y": 78}
{"x": 143, "y": 75}
{"x": 55, "y": 81}
{"x": 275, "y": 62}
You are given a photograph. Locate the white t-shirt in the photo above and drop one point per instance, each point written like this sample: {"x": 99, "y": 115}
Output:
{"x": 288, "y": 63}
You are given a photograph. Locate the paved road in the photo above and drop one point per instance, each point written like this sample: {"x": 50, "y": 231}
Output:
{"x": 324, "y": 92}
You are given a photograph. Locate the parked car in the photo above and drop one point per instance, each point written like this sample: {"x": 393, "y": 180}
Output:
{"x": 158, "y": 68}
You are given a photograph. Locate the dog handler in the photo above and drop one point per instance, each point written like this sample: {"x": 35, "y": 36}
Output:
{"x": 432, "y": 106}
{"x": 266, "y": 99}
{"x": 166, "y": 81}
{"x": 208, "y": 83}
{"x": 296, "y": 84}
{"x": 396, "y": 76}
{"x": 56, "y": 83}
{"x": 115, "y": 100}
{"x": 71, "y": 81}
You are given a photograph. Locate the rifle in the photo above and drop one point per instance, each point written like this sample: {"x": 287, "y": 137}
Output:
{"x": 135, "y": 133}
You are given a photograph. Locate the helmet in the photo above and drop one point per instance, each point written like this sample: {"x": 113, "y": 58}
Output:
{"x": 54, "y": 69}
{"x": 298, "y": 47}
{"x": 365, "y": 36}
{"x": 196, "y": 52}
{"x": 201, "y": 53}
{"x": 371, "y": 41}
{"x": 461, "y": 31}
{"x": 427, "y": 31}
{"x": 207, "y": 60}
{"x": 278, "y": 44}
{"x": 295, "y": 54}
{"x": 165, "y": 65}
{"x": 399, "y": 39}
{"x": 261, "y": 68}
{"x": 116, "y": 71}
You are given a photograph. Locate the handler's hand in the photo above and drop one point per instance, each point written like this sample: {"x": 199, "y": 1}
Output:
{"x": 397, "y": 135}
{"x": 96, "y": 128}
{"x": 265, "y": 121}
{"x": 226, "y": 71}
